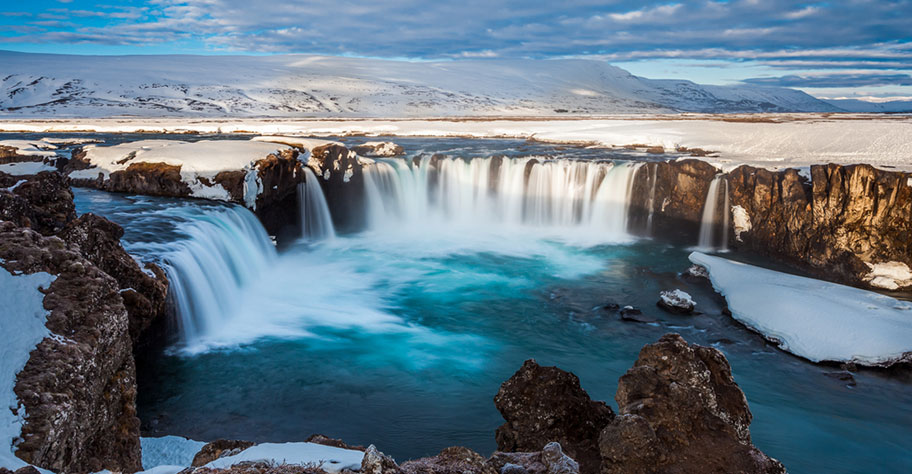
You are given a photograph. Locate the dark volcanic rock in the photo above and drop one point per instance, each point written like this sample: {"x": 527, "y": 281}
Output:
{"x": 98, "y": 240}
{"x": 152, "y": 179}
{"x": 544, "y": 404}
{"x": 217, "y": 449}
{"x": 673, "y": 193}
{"x": 676, "y": 301}
{"x": 42, "y": 202}
{"x": 334, "y": 442}
{"x": 78, "y": 389}
{"x": 681, "y": 411}
{"x": 452, "y": 460}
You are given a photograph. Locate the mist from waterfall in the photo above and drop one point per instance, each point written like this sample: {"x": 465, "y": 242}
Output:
{"x": 588, "y": 199}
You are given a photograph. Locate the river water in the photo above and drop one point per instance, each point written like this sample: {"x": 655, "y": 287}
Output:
{"x": 400, "y": 335}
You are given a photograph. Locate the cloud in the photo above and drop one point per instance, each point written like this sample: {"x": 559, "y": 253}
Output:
{"x": 833, "y": 80}
{"x": 824, "y": 35}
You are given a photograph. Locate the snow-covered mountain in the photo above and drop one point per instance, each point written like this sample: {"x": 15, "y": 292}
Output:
{"x": 302, "y": 85}
{"x": 864, "y": 106}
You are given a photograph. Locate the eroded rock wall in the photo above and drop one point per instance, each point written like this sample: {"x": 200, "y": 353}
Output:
{"x": 831, "y": 224}
{"x": 78, "y": 388}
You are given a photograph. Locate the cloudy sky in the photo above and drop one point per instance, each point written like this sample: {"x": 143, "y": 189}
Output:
{"x": 852, "y": 48}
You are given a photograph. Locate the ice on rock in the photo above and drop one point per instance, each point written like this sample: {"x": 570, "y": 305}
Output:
{"x": 741, "y": 221}
{"x": 814, "y": 319}
{"x": 889, "y": 275}
{"x": 676, "y": 301}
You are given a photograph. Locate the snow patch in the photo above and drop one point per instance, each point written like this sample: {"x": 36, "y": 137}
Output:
{"x": 306, "y": 144}
{"x": 25, "y": 168}
{"x": 22, "y": 321}
{"x": 31, "y": 148}
{"x": 329, "y": 458}
{"x": 216, "y": 191}
{"x": 741, "y": 221}
{"x": 13, "y": 187}
{"x": 814, "y": 319}
{"x": 889, "y": 275}
{"x": 169, "y": 451}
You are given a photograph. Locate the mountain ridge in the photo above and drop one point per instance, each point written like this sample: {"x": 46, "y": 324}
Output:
{"x": 42, "y": 85}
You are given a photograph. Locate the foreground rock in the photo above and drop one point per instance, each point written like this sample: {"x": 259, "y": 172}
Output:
{"x": 681, "y": 411}
{"x": 545, "y": 404}
{"x": 78, "y": 388}
{"x": 42, "y": 202}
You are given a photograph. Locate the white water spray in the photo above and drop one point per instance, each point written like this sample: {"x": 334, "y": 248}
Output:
{"x": 591, "y": 197}
{"x": 224, "y": 251}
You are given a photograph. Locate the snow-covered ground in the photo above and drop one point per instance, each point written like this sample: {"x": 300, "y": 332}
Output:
{"x": 200, "y": 161}
{"x": 43, "y": 85}
{"x": 170, "y": 454}
{"x": 22, "y": 322}
{"x": 814, "y": 319}
{"x": 770, "y": 141}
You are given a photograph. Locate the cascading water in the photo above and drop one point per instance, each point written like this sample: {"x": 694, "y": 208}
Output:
{"x": 710, "y": 234}
{"x": 650, "y": 203}
{"x": 223, "y": 251}
{"x": 316, "y": 221}
{"x": 592, "y": 196}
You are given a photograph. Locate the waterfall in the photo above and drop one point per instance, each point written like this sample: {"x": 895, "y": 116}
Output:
{"x": 654, "y": 176}
{"x": 316, "y": 221}
{"x": 223, "y": 251}
{"x": 710, "y": 234}
{"x": 487, "y": 192}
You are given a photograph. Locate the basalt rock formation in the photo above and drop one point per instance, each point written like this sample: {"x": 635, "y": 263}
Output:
{"x": 267, "y": 188}
{"x": 42, "y": 202}
{"x": 78, "y": 388}
{"x": 681, "y": 411}
{"x": 98, "y": 240}
{"x": 831, "y": 225}
{"x": 545, "y": 404}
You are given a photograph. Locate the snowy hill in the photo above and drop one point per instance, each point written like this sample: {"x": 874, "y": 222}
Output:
{"x": 299, "y": 85}
{"x": 863, "y": 106}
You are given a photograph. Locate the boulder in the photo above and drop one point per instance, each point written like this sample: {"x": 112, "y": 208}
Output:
{"x": 78, "y": 388}
{"x": 676, "y": 301}
{"x": 545, "y": 404}
{"x": 218, "y": 449}
{"x": 452, "y": 460}
{"x": 681, "y": 411}
{"x": 375, "y": 462}
{"x": 550, "y": 460}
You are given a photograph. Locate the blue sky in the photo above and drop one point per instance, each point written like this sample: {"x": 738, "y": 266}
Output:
{"x": 853, "y": 48}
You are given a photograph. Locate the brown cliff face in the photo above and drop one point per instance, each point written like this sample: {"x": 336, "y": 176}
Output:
{"x": 673, "y": 193}
{"x": 829, "y": 225}
{"x": 98, "y": 240}
{"x": 42, "y": 202}
{"x": 78, "y": 389}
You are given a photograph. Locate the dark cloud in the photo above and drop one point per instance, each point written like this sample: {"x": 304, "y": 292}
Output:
{"x": 834, "y": 80}
{"x": 792, "y": 36}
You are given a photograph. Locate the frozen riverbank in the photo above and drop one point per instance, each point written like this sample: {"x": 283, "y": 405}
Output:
{"x": 773, "y": 141}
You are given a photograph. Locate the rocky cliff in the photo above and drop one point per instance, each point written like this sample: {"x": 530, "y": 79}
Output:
{"x": 78, "y": 388}
{"x": 834, "y": 223}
